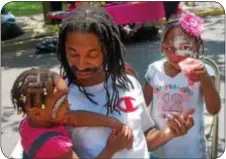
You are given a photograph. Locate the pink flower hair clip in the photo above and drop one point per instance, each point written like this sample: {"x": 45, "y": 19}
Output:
{"x": 191, "y": 23}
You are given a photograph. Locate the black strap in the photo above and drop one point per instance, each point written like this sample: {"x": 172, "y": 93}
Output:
{"x": 37, "y": 144}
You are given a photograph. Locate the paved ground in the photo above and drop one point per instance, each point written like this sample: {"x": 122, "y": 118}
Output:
{"x": 200, "y": 6}
{"x": 140, "y": 54}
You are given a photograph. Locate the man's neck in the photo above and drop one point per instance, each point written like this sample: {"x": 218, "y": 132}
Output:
{"x": 97, "y": 79}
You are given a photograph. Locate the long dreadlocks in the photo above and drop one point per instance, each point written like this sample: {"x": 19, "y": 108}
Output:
{"x": 95, "y": 20}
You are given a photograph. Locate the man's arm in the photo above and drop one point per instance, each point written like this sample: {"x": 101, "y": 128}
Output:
{"x": 85, "y": 118}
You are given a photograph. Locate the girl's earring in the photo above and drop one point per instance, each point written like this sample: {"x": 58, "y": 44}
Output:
{"x": 162, "y": 55}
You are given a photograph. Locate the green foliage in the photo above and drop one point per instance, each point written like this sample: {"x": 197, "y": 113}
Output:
{"x": 24, "y": 8}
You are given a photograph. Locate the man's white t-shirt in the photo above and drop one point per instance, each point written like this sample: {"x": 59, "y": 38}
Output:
{"x": 173, "y": 94}
{"x": 88, "y": 142}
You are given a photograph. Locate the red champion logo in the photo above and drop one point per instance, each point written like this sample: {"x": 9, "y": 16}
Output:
{"x": 129, "y": 107}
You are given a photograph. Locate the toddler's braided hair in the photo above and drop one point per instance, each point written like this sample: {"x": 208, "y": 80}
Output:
{"x": 31, "y": 84}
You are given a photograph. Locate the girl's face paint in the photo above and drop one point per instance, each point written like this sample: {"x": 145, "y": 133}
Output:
{"x": 183, "y": 45}
{"x": 178, "y": 45}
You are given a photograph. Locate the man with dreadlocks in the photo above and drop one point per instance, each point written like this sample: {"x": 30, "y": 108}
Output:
{"x": 92, "y": 63}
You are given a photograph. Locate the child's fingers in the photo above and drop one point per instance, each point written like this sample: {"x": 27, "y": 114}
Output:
{"x": 197, "y": 71}
{"x": 128, "y": 132}
{"x": 187, "y": 113}
{"x": 129, "y": 135}
{"x": 193, "y": 77}
{"x": 113, "y": 134}
{"x": 125, "y": 130}
{"x": 200, "y": 67}
{"x": 200, "y": 72}
{"x": 171, "y": 127}
{"x": 180, "y": 122}
{"x": 190, "y": 122}
{"x": 126, "y": 137}
{"x": 174, "y": 125}
{"x": 124, "y": 141}
{"x": 130, "y": 141}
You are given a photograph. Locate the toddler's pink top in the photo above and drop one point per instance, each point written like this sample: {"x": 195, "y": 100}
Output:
{"x": 52, "y": 148}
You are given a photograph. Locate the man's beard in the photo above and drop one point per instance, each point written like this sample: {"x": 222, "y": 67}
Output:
{"x": 92, "y": 71}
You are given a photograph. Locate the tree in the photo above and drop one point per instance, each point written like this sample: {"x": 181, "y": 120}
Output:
{"x": 50, "y": 6}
